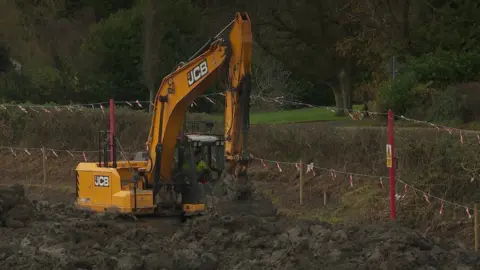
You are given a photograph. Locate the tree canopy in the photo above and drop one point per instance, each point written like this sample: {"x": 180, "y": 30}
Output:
{"x": 322, "y": 52}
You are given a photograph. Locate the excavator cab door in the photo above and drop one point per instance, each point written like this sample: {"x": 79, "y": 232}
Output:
{"x": 217, "y": 155}
{"x": 184, "y": 176}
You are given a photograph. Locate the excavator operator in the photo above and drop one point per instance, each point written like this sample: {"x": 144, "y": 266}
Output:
{"x": 201, "y": 166}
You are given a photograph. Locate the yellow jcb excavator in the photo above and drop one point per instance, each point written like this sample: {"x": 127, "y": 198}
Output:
{"x": 159, "y": 183}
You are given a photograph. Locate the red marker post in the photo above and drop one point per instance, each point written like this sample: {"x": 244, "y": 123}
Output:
{"x": 391, "y": 165}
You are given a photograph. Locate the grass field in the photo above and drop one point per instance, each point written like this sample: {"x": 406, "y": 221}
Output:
{"x": 291, "y": 116}
{"x": 306, "y": 115}
{"x": 294, "y": 116}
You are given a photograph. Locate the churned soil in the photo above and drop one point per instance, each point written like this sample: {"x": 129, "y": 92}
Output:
{"x": 232, "y": 235}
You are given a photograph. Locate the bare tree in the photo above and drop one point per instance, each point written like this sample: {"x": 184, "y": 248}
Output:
{"x": 150, "y": 53}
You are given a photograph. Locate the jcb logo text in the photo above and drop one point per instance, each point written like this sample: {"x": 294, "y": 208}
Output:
{"x": 102, "y": 181}
{"x": 197, "y": 73}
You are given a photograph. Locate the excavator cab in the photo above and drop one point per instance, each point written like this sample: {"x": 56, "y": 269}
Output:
{"x": 198, "y": 143}
{"x": 209, "y": 148}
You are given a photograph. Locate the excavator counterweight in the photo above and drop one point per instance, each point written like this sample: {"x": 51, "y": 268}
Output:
{"x": 157, "y": 180}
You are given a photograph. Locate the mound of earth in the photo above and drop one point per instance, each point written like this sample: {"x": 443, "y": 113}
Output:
{"x": 15, "y": 209}
{"x": 240, "y": 235}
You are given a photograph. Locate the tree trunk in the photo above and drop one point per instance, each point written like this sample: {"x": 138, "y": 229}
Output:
{"x": 345, "y": 82}
{"x": 338, "y": 102}
{"x": 149, "y": 56}
{"x": 151, "y": 89}
{"x": 406, "y": 25}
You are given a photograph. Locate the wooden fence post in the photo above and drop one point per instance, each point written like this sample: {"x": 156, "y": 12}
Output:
{"x": 475, "y": 229}
{"x": 324, "y": 196}
{"x": 301, "y": 181}
{"x": 44, "y": 161}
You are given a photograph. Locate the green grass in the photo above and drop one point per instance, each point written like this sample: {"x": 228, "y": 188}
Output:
{"x": 291, "y": 116}
{"x": 294, "y": 116}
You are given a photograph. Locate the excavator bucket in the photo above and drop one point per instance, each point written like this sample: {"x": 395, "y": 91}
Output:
{"x": 235, "y": 187}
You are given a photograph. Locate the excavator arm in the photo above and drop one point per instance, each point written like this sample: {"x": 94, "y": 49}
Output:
{"x": 237, "y": 105}
{"x": 180, "y": 88}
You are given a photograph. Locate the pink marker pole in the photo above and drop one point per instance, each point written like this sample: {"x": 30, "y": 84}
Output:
{"x": 393, "y": 213}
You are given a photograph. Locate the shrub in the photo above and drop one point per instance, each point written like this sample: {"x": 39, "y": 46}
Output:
{"x": 403, "y": 94}
{"x": 457, "y": 103}
{"x": 422, "y": 89}
{"x": 443, "y": 68}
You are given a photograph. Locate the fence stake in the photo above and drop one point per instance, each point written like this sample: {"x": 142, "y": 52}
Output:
{"x": 112, "y": 128}
{"x": 324, "y": 196}
{"x": 44, "y": 161}
{"x": 301, "y": 181}
{"x": 391, "y": 164}
{"x": 475, "y": 229}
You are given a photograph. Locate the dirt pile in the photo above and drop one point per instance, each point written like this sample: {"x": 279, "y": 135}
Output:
{"x": 15, "y": 209}
{"x": 246, "y": 235}
{"x": 233, "y": 238}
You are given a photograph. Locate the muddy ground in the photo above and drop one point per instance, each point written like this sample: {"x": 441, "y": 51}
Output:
{"x": 241, "y": 235}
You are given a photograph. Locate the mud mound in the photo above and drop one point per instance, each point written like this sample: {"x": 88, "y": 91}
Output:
{"x": 242, "y": 235}
{"x": 236, "y": 240}
{"x": 15, "y": 209}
